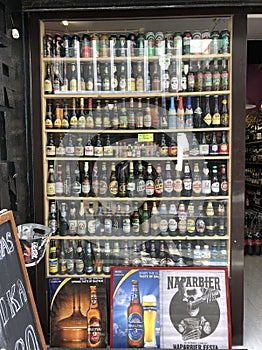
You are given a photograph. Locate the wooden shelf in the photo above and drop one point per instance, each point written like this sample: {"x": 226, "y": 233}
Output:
{"x": 138, "y": 199}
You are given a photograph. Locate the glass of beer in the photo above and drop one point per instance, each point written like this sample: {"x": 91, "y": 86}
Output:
{"x": 149, "y": 311}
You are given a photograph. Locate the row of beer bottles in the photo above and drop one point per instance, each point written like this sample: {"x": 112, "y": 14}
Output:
{"x": 186, "y": 112}
{"x": 150, "y": 218}
{"x": 96, "y": 257}
{"x": 137, "y": 179}
{"x": 163, "y": 145}
{"x": 177, "y": 77}
{"x": 253, "y": 233}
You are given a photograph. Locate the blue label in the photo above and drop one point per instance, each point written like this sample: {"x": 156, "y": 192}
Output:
{"x": 135, "y": 327}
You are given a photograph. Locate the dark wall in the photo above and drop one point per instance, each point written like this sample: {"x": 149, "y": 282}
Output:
{"x": 13, "y": 144}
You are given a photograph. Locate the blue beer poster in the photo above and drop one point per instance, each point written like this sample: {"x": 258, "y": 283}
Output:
{"x": 121, "y": 290}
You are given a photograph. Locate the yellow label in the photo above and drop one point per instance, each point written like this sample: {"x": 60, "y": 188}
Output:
{"x": 145, "y": 137}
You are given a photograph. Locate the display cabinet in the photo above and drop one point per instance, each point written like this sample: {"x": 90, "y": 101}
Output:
{"x": 136, "y": 141}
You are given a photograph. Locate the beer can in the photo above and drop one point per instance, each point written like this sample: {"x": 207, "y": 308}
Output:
{"x": 86, "y": 49}
{"x": 48, "y": 45}
{"x": 169, "y": 40}
{"x": 186, "y": 39}
{"x": 205, "y": 36}
{"x": 197, "y": 46}
{"x": 225, "y": 36}
{"x": 214, "y": 36}
{"x": 150, "y": 37}
{"x": 58, "y": 42}
{"x": 178, "y": 43}
{"x": 66, "y": 45}
{"x": 159, "y": 43}
{"x": 75, "y": 46}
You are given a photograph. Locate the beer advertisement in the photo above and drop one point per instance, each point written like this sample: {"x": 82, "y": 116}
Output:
{"x": 179, "y": 308}
{"x": 78, "y": 313}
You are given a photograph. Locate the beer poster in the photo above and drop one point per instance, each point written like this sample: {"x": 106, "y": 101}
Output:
{"x": 179, "y": 308}
{"x": 135, "y": 317}
{"x": 78, "y": 313}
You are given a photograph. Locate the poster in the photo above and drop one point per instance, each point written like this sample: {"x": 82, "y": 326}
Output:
{"x": 78, "y": 312}
{"x": 179, "y": 308}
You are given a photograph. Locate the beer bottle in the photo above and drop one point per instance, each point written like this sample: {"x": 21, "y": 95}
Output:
{"x": 94, "y": 326}
{"x": 107, "y": 259}
{"x": 155, "y": 115}
{"x": 196, "y": 184}
{"x": 172, "y": 118}
{"x": 223, "y": 146}
{"x": 207, "y": 120}
{"x": 224, "y": 114}
{"x": 149, "y": 181}
{"x": 98, "y": 262}
{"x": 98, "y": 78}
{"x": 194, "y": 146}
{"x": 223, "y": 181}
{"x": 81, "y": 220}
{"x": 65, "y": 120}
{"x": 49, "y": 117}
{"x": 210, "y": 226}
{"x": 156, "y": 78}
{"x": 72, "y": 220}
{"x": 69, "y": 255}
{"x": 53, "y": 258}
{"x": 215, "y": 185}
{"x": 103, "y": 187}
{"x": 113, "y": 182}
{"x": 131, "y": 186}
{"x": 178, "y": 183}
{"x": 166, "y": 80}
{"x": 48, "y": 83}
{"x": 159, "y": 182}
{"x": 50, "y": 146}
{"x": 89, "y": 79}
{"x": 88, "y": 262}
{"x": 147, "y": 117}
{"x": 59, "y": 184}
{"x": 163, "y": 224}
{"x": 224, "y": 76}
{"x": 50, "y": 191}
{"x": 221, "y": 229}
{"x": 173, "y": 78}
{"x": 79, "y": 147}
{"x": 63, "y": 223}
{"x": 115, "y": 119}
{"x": 206, "y": 181}
{"x": 131, "y": 114}
{"x": 106, "y": 122}
{"x": 199, "y": 78}
{"x": 200, "y": 223}
{"x": 154, "y": 220}
{"x": 213, "y": 147}
{"x": 135, "y": 220}
{"x": 180, "y": 114}
{"x": 122, "y": 83}
{"x": 187, "y": 180}
{"x": 116, "y": 259}
{"x": 76, "y": 185}
{"x": 90, "y": 124}
{"x": 207, "y": 78}
{"x": 106, "y": 79}
{"x": 79, "y": 261}
{"x": 67, "y": 181}
{"x": 152, "y": 252}
{"x": 190, "y": 79}
{"x": 168, "y": 181}
{"x": 98, "y": 148}
{"x": 135, "y": 255}
{"x": 73, "y": 78}
{"x": 140, "y": 181}
{"x": 52, "y": 218}
{"x": 62, "y": 261}
{"x": 139, "y": 115}
{"x": 95, "y": 181}
{"x": 91, "y": 220}
{"x": 126, "y": 221}
{"x": 145, "y": 227}
{"x": 81, "y": 118}
{"x": 57, "y": 122}
{"x": 172, "y": 148}
{"x": 190, "y": 223}
{"x": 73, "y": 120}
{"x": 98, "y": 116}
{"x": 163, "y": 148}
{"x": 139, "y": 82}
{"x": 57, "y": 80}
{"x": 86, "y": 187}
{"x": 135, "y": 324}
{"x": 198, "y": 114}
{"x": 69, "y": 147}
{"x": 122, "y": 183}
{"x": 216, "y": 77}
{"x": 189, "y": 114}
{"x": 108, "y": 148}
{"x": 89, "y": 148}
{"x": 123, "y": 118}
{"x": 203, "y": 147}
{"x": 163, "y": 115}
{"x": 216, "y": 115}
{"x": 183, "y": 77}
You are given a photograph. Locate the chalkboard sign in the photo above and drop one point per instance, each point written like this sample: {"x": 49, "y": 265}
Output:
{"x": 19, "y": 323}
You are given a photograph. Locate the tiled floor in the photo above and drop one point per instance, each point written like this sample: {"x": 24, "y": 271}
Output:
{"x": 252, "y": 303}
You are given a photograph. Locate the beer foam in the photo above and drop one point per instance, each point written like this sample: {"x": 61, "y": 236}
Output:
{"x": 149, "y": 298}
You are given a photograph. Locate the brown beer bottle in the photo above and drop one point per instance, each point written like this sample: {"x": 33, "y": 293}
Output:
{"x": 135, "y": 324}
{"x": 94, "y": 328}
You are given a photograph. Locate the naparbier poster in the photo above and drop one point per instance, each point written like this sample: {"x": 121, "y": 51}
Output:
{"x": 188, "y": 308}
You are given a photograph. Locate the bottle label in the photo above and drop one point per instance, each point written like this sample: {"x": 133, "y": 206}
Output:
{"x": 206, "y": 186}
{"x": 131, "y": 187}
{"x": 135, "y": 327}
{"x": 53, "y": 265}
{"x": 73, "y": 121}
{"x": 102, "y": 187}
{"x": 126, "y": 225}
{"x": 86, "y": 187}
{"x": 89, "y": 151}
{"x": 59, "y": 188}
{"x": 174, "y": 84}
{"x": 197, "y": 187}
{"x": 203, "y": 149}
{"x": 168, "y": 185}
{"x": 72, "y": 227}
{"x": 178, "y": 185}
{"x": 224, "y": 186}
{"x": 89, "y": 122}
{"x": 108, "y": 151}
{"x": 48, "y": 86}
{"x": 70, "y": 150}
{"x": 81, "y": 227}
{"x": 108, "y": 225}
{"x": 182, "y": 226}
{"x": 60, "y": 151}
{"x": 94, "y": 331}
{"x": 187, "y": 184}
{"x": 150, "y": 188}
{"x": 208, "y": 119}
{"x": 91, "y": 226}
{"x": 223, "y": 148}
{"x": 158, "y": 186}
{"x": 190, "y": 225}
{"x": 141, "y": 186}
{"x": 215, "y": 187}
{"x": 113, "y": 187}
{"x": 57, "y": 123}
{"x": 163, "y": 225}
{"x": 98, "y": 151}
{"x": 172, "y": 225}
{"x": 213, "y": 149}
{"x": 51, "y": 189}
{"x": 79, "y": 151}
{"x": 216, "y": 119}
{"x": 50, "y": 151}
{"x": 200, "y": 226}
{"x": 79, "y": 266}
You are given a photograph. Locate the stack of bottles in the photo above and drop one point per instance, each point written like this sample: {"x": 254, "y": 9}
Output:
{"x": 86, "y": 257}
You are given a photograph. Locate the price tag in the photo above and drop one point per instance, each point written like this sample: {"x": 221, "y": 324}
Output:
{"x": 145, "y": 137}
